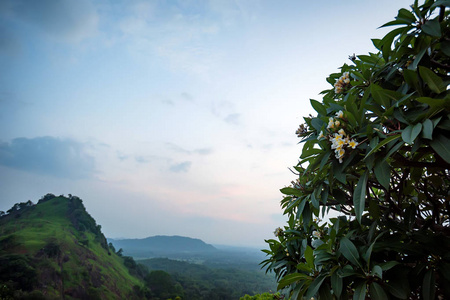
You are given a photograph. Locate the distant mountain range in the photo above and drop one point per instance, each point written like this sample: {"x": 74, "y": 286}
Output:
{"x": 161, "y": 245}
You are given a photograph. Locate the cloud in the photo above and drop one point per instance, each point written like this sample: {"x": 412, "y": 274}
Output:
{"x": 71, "y": 21}
{"x": 141, "y": 159}
{"x": 63, "y": 158}
{"x": 187, "y": 96}
{"x": 181, "y": 167}
{"x": 232, "y": 119}
{"x": 199, "y": 151}
{"x": 203, "y": 151}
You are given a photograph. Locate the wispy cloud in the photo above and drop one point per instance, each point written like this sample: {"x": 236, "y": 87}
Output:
{"x": 199, "y": 151}
{"x": 181, "y": 167}
{"x": 232, "y": 119}
{"x": 64, "y": 158}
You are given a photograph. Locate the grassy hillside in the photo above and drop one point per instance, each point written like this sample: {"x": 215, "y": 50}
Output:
{"x": 56, "y": 249}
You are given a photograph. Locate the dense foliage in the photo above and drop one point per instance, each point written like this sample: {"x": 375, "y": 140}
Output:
{"x": 375, "y": 165}
{"x": 202, "y": 282}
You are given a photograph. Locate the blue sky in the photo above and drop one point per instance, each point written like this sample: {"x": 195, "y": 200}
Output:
{"x": 168, "y": 117}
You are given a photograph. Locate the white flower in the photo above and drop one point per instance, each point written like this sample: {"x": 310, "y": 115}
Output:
{"x": 321, "y": 136}
{"x": 340, "y": 114}
{"x": 330, "y": 123}
{"x": 353, "y": 144}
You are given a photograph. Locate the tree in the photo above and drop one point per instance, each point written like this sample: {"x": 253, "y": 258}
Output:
{"x": 377, "y": 155}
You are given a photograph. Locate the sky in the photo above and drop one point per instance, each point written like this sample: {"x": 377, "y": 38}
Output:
{"x": 169, "y": 117}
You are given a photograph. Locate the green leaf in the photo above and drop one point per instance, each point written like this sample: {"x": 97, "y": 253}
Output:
{"x": 290, "y": 279}
{"x": 427, "y": 131}
{"x": 309, "y": 256}
{"x": 382, "y": 172}
{"x": 398, "y": 290}
{"x": 428, "y": 287}
{"x": 376, "y": 270}
{"x": 291, "y": 191}
{"x": 317, "y": 124}
{"x": 432, "y": 27}
{"x": 382, "y": 143}
{"x": 440, "y": 2}
{"x": 360, "y": 291}
{"x": 310, "y": 152}
{"x": 383, "y": 96}
{"x": 410, "y": 133}
{"x": 318, "y": 107}
{"x": 434, "y": 82}
{"x": 336, "y": 284}
{"x": 416, "y": 61}
{"x": 404, "y": 14}
{"x": 349, "y": 251}
{"x": 440, "y": 144}
{"x": 315, "y": 286}
{"x": 359, "y": 197}
{"x": 388, "y": 265}
{"x": 377, "y": 292}
{"x": 445, "y": 47}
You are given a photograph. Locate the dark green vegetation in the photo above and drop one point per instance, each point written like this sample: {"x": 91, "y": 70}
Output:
{"x": 206, "y": 282}
{"x": 55, "y": 250}
{"x": 377, "y": 153}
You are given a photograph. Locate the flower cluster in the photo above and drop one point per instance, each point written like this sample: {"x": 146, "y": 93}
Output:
{"x": 342, "y": 82}
{"x": 339, "y": 140}
{"x": 278, "y": 232}
{"x": 302, "y": 130}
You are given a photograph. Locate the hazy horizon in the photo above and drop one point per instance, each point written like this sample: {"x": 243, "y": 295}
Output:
{"x": 169, "y": 117}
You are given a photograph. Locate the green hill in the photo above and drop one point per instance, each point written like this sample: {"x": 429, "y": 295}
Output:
{"x": 55, "y": 250}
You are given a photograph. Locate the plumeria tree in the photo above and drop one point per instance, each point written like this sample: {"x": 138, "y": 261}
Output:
{"x": 377, "y": 154}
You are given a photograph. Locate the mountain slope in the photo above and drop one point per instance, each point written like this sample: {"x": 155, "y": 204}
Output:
{"x": 162, "y": 246}
{"x": 56, "y": 249}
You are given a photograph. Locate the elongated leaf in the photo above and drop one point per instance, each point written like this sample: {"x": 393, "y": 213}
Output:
{"x": 382, "y": 172}
{"x": 376, "y": 270}
{"x": 428, "y": 287}
{"x": 410, "y": 133}
{"x": 349, "y": 251}
{"x": 440, "y": 144}
{"x": 318, "y": 107}
{"x": 434, "y": 82}
{"x": 388, "y": 265}
{"x": 315, "y": 286}
{"x": 404, "y": 14}
{"x": 336, "y": 284}
{"x": 382, "y": 143}
{"x": 291, "y": 191}
{"x": 360, "y": 292}
{"x": 383, "y": 96}
{"x": 377, "y": 292}
{"x": 359, "y": 197}
{"x": 427, "y": 131}
{"x": 309, "y": 256}
{"x": 290, "y": 279}
{"x": 432, "y": 27}
{"x": 417, "y": 60}
{"x": 317, "y": 124}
